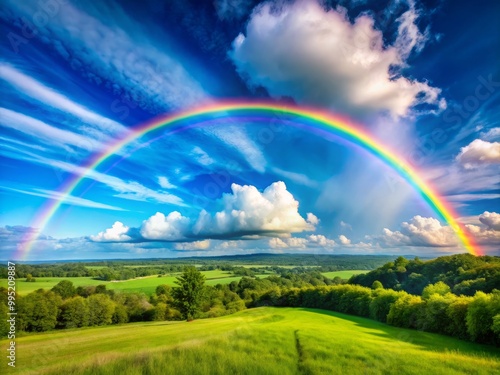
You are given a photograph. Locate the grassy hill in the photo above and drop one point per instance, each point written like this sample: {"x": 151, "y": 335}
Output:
{"x": 256, "y": 341}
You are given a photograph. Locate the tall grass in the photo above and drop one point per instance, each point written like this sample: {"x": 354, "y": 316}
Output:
{"x": 257, "y": 341}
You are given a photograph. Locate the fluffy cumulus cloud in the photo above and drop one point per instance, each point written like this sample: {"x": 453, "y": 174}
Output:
{"x": 319, "y": 57}
{"x": 344, "y": 240}
{"x": 491, "y": 220}
{"x": 426, "y": 231}
{"x": 117, "y": 233}
{"x": 478, "y": 153}
{"x": 489, "y": 232}
{"x": 484, "y": 236}
{"x": 310, "y": 241}
{"x": 172, "y": 227}
{"x": 193, "y": 246}
{"x": 320, "y": 240}
{"x": 421, "y": 231}
{"x": 247, "y": 211}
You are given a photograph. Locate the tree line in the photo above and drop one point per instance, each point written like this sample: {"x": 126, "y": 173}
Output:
{"x": 126, "y": 269}
{"x": 437, "y": 310}
{"x": 465, "y": 274}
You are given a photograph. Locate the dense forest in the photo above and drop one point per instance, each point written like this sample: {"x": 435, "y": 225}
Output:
{"x": 440, "y": 304}
{"x": 465, "y": 274}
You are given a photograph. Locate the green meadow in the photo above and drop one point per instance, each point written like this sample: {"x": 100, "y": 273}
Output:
{"x": 257, "y": 341}
{"x": 343, "y": 274}
{"x": 145, "y": 285}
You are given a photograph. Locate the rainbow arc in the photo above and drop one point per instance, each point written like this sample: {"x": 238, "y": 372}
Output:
{"x": 310, "y": 117}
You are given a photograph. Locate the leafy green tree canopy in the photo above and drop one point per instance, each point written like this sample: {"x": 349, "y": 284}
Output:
{"x": 65, "y": 289}
{"x": 189, "y": 294}
{"x": 437, "y": 288}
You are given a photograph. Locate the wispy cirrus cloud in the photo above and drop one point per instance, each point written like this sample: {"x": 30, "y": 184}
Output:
{"x": 128, "y": 61}
{"x": 66, "y": 199}
{"x": 26, "y": 85}
{"x": 40, "y": 130}
{"x": 131, "y": 190}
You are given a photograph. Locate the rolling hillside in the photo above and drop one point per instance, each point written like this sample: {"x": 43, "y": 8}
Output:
{"x": 257, "y": 341}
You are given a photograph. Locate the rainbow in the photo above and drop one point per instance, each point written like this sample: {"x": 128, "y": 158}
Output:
{"x": 314, "y": 118}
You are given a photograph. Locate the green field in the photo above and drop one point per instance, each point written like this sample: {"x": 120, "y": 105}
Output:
{"x": 346, "y": 274}
{"x": 257, "y": 341}
{"x": 146, "y": 285}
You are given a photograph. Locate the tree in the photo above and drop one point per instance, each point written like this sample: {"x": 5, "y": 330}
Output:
{"x": 496, "y": 326}
{"x": 101, "y": 288}
{"x": 74, "y": 312}
{"x": 438, "y": 288}
{"x": 381, "y": 303}
{"x": 120, "y": 314}
{"x": 377, "y": 285}
{"x": 101, "y": 309}
{"x": 37, "y": 311}
{"x": 65, "y": 289}
{"x": 164, "y": 290}
{"x": 188, "y": 296}
{"x": 4, "y": 324}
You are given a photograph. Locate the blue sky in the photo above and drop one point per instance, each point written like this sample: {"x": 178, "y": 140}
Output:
{"x": 422, "y": 76}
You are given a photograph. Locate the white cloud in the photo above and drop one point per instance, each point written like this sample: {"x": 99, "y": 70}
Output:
{"x": 131, "y": 190}
{"x": 320, "y": 58}
{"x": 128, "y": 62}
{"x": 165, "y": 183}
{"x": 48, "y": 96}
{"x": 320, "y": 240}
{"x": 313, "y": 240}
{"x": 236, "y": 138}
{"x": 484, "y": 236}
{"x": 492, "y": 134}
{"x": 230, "y": 244}
{"x": 491, "y": 220}
{"x": 165, "y": 228}
{"x": 23, "y": 144}
{"x": 456, "y": 180}
{"x": 471, "y": 197}
{"x": 421, "y": 231}
{"x": 196, "y": 245}
{"x": 478, "y": 153}
{"x": 202, "y": 157}
{"x": 248, "y": 211}
{"x": 117, "y": 233}
{"x": 312, "y": 219}
{"x": 292, "y": 242}
{"x": 277, "y": 243}
{"x": 344, "y": 240}
{"x": 46, "y": 133}
{"x": 299, "y": 178}
{"x": 67, "y": 199}
{"x": 345, "y": 225}
{"x": 409, "y": 36}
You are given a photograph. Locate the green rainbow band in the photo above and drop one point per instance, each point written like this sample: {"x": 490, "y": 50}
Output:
{"x": 319, "y": 118}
